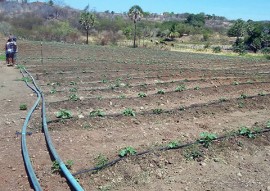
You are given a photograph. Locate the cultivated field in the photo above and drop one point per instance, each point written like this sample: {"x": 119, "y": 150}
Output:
{"x": 146, "y": 100}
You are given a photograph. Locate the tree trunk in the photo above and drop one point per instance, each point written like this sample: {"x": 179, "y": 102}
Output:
{"x": 87, "y": 33}
{"x": 134, "y": 40}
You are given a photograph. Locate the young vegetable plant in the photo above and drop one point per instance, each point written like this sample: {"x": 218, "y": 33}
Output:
{"x": 53, "y": 91}
{"x": 268, "y": 124}
{"x": 72, "y": 83}
{"x": 157, "y": 111}
{"x": 97, "y": 113}
{"x": 23, "y": 106}
{"x": 246, "y": 132}
{"x": 129, "y": 112}
{"x": 180, "y": 88}
{"x": 73, "y": 97}
{"x": 73, "y": 89}
{"x": 64, "y": 114}
{"x": 127, "y": 151}
{"x": 141, "y": 94}
{"x": 173, "y": 144}
{"x": 101, "y": 160}
{"x": 207, "y": 138}
{"x": 161, "y": 92}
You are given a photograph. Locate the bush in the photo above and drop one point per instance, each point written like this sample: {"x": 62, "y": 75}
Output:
{"x": 216, "y": 49}
{"x": 266, "y": 52}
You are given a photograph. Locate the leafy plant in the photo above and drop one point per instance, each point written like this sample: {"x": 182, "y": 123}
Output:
{"x": 161, "y": 92}
{"x": 73, "y": 97}
{"x": 129, "y": 112}
{"x": 23, "y": 106}
{"x": 182, "y": 108}
{"x": 127, "y": 151}
{"x": 72, "y": 83}
{"x": 69, "y": 164}
{"x": 207, "y": 138}
{"x": 192, "y": 153}
{"x": 243, "y": 96}
{"x": 261, "y": 94}
{"x": 101, "y": 160}
{"x": 96, "y": 113}
{"x": 197, "y": 88}
{"x": 26, "y": 79}
{"x": 64, "y": 114}
{"x": 157, "y": 111}
{"x": 55, "y": 167}
{"x": 241, "y": 104}
{"x": 73, "y": 89}
{"x": 53, "y": 91}
{"x": 222, "y": 99}
{"x": 268, "y": 124}
{"x": 180, "y": 88}
{"x": 173, "y": 144}
{"x": 246, "y": 132}
{"x": 216, "y": 49}
{"x": 141, "y": 94}
{"x": 235, "y": 83}
{"x": 122, "y": 96}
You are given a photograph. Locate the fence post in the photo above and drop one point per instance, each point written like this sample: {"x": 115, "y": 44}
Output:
{"x": 41, "y": 53}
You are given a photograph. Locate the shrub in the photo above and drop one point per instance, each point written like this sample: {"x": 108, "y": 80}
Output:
{"x": 216, "y": 49}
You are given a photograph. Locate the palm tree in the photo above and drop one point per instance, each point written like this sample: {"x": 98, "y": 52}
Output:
{"x": 135, "y": 13}
{"x": 87, "y": 21}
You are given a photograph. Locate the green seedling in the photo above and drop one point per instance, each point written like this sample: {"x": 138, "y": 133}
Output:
{"x": 25, "y": 79}
{"x": 182, "y": 108}
{"x": 69, "y": 164}
{"x": 235, "y": 83}
{"x": 52, "y": 91}
{"x": 222, "y": 99}
{"x": 73, "y": 97}
{"x": 72, "y": 83}
{"x": 64, "y": 114}
{"x": 241, "y": 104}
{"x": 157, "y": 111}
{"x": 244, "y": 131}
{"x": 192, "y": 153}
{"x": 243, "y": 96}
{"x": 173, "y": 144}
{"x": 127, "y": 151}
{"x": 55, "y": 167}
{"x": 197, "y": 88}
{"x": 141, "y": 94}
{"x": 180, "y": 88}
{"x": 268, "y": 124}
{"x": 122, "y": 96}
{"x": 129, "y": 112}
{"x": 207, "y": 138}
{"x": 261, "y": 94}
{"x": 23, "y": 106}
{"x": 73, "y": 89}
{"x": 101, "y": 160}
{"x": 161, "y": 92}
{"x": 97, "y": 113}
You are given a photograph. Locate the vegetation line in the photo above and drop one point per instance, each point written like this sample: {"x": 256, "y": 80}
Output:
{"x": 204, "y": 141}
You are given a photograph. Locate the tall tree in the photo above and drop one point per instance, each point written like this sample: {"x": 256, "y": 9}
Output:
{"x": 135, "y": 13}
{"x": 237, "y": 29}
{"x": 87, "y": 21}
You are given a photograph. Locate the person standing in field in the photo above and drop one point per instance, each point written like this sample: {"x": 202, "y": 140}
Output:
{"x": 11, "y": 49}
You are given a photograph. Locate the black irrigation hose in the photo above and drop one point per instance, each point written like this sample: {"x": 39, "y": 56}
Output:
{"x": 111, "y": 163}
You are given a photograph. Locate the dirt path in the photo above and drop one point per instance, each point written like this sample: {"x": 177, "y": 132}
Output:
{"x": 12, "y": 93}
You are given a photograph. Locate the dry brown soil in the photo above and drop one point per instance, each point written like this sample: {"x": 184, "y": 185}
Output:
{"x": 110, "y": 80}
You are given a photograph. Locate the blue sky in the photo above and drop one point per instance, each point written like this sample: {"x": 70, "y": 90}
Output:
{"x": 231, "y": 9}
